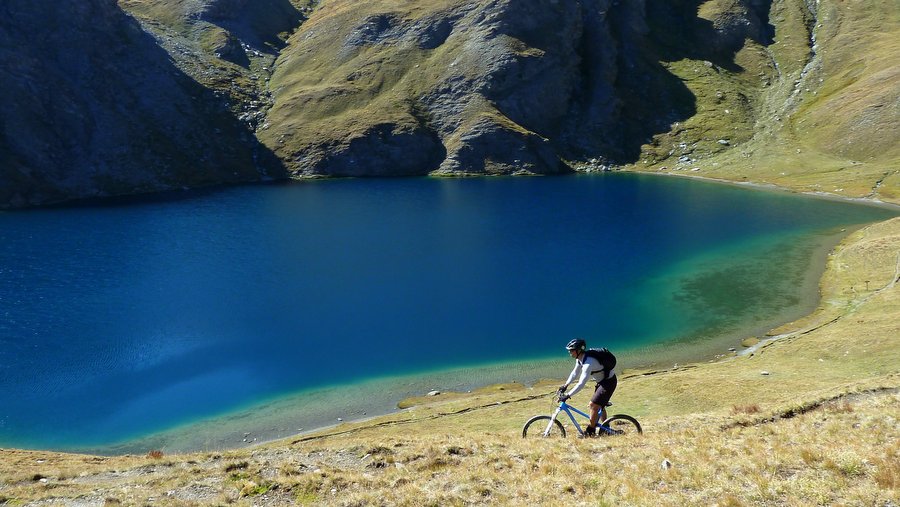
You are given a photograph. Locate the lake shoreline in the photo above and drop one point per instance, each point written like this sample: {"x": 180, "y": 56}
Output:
{"x": 234, "y": 429}
{"x": 771, "y": 187}
{"x": 270, "y": 421}
{"x": 815, "y": 392}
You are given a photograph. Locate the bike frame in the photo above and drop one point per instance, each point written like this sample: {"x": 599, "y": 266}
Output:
{"x": 568, "y": 409}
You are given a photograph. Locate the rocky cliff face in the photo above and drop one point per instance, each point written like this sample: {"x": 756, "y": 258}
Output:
{"x": 475, "y": 87}
{"x": 194, "y": 92}
{"x": 92, "y": 106}
{"x": 456, "y": 87}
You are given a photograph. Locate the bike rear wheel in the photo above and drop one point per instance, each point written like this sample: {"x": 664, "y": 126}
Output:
{"x": 535, "y": 427}
{"x": 622, "y": 424}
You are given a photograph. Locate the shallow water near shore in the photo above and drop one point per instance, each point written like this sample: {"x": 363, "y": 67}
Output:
{"x": 274, "y": 309}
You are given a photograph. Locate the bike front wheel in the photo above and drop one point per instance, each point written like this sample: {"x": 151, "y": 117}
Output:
{"x": 622, "y": 424}
{"x": 537, "y": 425}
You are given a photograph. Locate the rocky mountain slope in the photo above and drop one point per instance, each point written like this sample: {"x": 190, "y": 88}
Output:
{"x": 193, "y": 92}
{"x": 93, "y": 106}
{"x": 472, "y": 87}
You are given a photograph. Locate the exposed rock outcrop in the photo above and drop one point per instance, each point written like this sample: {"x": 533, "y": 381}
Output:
{"x": 492, "y": 82}
{"x": 506, "y": 87}
{"x": 201, "y": 92}
{"x": 92, "y": 107}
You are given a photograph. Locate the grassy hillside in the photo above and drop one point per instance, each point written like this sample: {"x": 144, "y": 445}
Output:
{"x": 809, "y": 418}
{"x": 765, "y": 91}
{"x": 412, "y": 88}
{"x": 817, "y": 109}
{"x": 796, "y": 93}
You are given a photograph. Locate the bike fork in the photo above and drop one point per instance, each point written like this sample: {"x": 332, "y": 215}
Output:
{"x": 552, "y": 420}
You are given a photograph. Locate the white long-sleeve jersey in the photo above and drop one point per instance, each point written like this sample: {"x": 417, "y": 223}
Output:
{"x": 584, "y": 369}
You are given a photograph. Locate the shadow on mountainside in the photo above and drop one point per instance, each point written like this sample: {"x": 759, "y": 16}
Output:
{"x": 650, "y": 97}
{"x": 678, "y": 31}
{"x": 257, "y": 23}
{"x": 477, "y": 87}
{"x": 92, "y": 106}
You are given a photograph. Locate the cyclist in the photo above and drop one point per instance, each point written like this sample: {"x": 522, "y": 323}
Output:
{"x": 587, "y": 366}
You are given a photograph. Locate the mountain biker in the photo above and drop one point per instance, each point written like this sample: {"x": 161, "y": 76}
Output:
{"x": 589, "y": 367}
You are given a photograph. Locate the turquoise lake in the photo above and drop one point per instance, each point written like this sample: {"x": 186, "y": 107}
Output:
{"x": 181, "y": 322}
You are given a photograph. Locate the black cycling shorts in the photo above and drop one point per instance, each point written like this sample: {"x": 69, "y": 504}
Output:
{"x": 604, "y": 391}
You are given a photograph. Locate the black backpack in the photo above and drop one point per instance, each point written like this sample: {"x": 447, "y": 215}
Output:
{"x": 604, "y": 357}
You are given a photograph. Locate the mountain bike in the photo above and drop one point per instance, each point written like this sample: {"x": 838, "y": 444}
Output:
{"x": 548, "y": 426}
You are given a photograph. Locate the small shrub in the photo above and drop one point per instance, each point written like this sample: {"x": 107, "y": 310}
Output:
{"x": 852, "y": 468}
{"x": 155, "y": 454}
{"x": 238, "y": 476}
{"x": 253, "y": 489}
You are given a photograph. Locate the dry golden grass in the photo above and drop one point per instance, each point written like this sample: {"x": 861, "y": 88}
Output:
{"x": 819, "y": 457}
{"x": 822, "y": 428}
